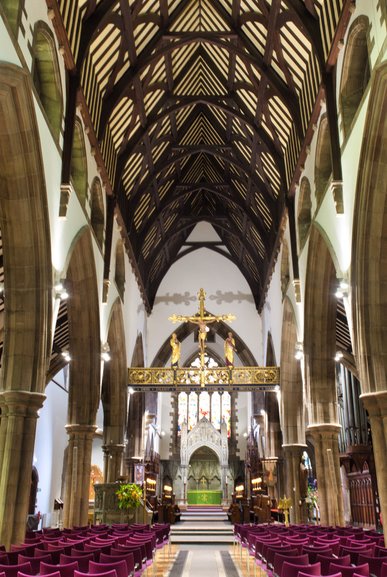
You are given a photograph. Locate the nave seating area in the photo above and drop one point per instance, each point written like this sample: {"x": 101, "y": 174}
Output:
{"x": 119, "y": 550}
{"x": 304, "y": 550}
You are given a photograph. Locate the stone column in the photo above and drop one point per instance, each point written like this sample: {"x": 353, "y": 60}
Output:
{"x": 326, "y": 447}
{"x": 77, "y": 476}
{"x": 292, "y": 459}
{"x": 223, "y": 485}
{"x": 184, "y": 483}
{"x": 376, "y": 405}
{"x": 112, "y": 461}
{"x": 19, "y": 413}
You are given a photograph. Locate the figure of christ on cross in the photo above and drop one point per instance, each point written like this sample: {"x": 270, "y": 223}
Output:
{"x": 202, "y": 319}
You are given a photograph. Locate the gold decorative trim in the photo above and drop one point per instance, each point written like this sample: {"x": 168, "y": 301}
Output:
{"x": 219, "y": 378}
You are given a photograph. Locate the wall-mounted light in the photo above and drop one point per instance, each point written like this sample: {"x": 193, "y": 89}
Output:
{"x": 105, "y": 352}
{"x": 61, "y": 291}
{"x": 131, "y": 390}
{"x": 1, "y": 288}
{"x": 299, "y": 351}
{"x": 339, "y": 356}
{"x": 342, "y": 290}
{"x": 66, "y": 356}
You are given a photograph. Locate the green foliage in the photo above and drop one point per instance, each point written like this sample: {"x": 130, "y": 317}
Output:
{"x": 312, "y": 497}
{"x": 129, "y": 496}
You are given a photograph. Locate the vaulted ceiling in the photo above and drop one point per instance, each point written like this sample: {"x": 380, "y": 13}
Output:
{"x": 200, "y": 111}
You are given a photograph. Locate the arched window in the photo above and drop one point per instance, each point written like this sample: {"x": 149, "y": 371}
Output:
{"x": 285, "y": 274}
{"x": 119, "y": 275}
{"x": 356, "y": 71}
{"x": 46, "y": 76}
{"x": 12, "y": 11}
{"x": 97, "y": 211}
{"x": 304, "y": 213}
{"x": 79, "y": 164}
{"x": 216, "y": 407}
{"x": 323, "y": 163}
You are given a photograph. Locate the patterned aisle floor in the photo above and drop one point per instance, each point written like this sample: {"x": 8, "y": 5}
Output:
{"x": 204, "y": 560}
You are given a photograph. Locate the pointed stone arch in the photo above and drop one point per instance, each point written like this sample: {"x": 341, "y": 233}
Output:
{"x": 356, "y": 71}
{"x": 270, "y": 352}
{"x": 85, "y": 366}
{"x": 46, "y": 76}
{"x": 369, "y": 274}
{"x": 114, "y": 396}
{"x": 79, "y": 163}
{"x": 323, "y": 161}
{"x": 97, "y": 213}
{"x": 24, "y": 225}
{"x": 304, "y": 212}
{"x": 319, "y": 353}
{"x": 119, "y": 274}
{"x": 184, "y": 330}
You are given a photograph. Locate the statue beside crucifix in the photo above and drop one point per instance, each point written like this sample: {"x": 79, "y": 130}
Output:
{"x": 202, "y": 319}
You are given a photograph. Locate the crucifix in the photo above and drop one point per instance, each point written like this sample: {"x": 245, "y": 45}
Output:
{"x": 202, "y": 319}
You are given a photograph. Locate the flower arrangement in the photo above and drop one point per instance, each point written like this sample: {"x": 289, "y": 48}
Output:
{"x": 312, "y": 497}
{"x": 129, "y": 496}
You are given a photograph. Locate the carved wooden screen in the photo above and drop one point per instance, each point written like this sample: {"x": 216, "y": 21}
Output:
{"x": 362, "y": 502}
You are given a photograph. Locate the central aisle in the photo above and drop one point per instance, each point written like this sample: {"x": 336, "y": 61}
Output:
{"x": 204, "y": 561}
{"x": 203, "y": 541}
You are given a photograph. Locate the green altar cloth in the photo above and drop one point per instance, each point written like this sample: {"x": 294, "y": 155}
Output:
{"x": 204, "y": 497}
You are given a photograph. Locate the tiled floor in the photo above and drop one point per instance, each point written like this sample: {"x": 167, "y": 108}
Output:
{"x": 202, "y": 560}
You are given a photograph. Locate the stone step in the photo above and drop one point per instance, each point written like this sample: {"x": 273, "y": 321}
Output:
{"x": 193, "y": 538}
{"x": 195, "y": 533}
{"x": 181, "y": 529}
{"x": 199, "y": 518}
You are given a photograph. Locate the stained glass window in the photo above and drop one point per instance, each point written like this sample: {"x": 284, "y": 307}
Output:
{"x": 226, "y": 411}
{"x": 192, "y": 410}
{"x": 215, "y": 407}
{"x": 215, "y": 410}
{"x": 183, "y": 410}
{"x": 204, "y": 405}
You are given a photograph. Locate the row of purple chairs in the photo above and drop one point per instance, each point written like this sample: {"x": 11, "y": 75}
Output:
{"x": 87, "y": 551}
{"x": 323, "y": 550}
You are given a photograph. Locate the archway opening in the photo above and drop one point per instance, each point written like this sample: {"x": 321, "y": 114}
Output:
{"x": 204, "y": 470}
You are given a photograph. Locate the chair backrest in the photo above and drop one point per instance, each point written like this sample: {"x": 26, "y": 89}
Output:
{"x": 131, "y": 559}
{"x": 120, "y": 566}
{"x": 301, "y": 574}
{"x": 349, "y": 571}
{"x": 280, "y": 558}
{"x": 64, "y": 570}
{"x": 292, "y": 569}
{"x": 326, "y": 560}
{"x": 12, "y": 570}
{"x": 383, "y": 572}
{"x": 146, "y": 543}
{"x": 110, "y": 573}
{"x": 374, "y": 563}
{"x": 54, "y": 574}
{"x": 83, "y": 561}
{"x": 34, "y": 562}
{"x": 315, "y": 550}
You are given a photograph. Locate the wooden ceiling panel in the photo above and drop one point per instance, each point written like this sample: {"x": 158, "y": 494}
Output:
{"x": 200, "y": 108}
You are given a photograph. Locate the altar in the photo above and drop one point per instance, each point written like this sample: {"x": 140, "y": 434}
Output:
{"x": 204, "y": 497}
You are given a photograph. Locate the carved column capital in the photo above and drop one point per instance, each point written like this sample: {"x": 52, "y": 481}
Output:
{"x": 21, "y": 403}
